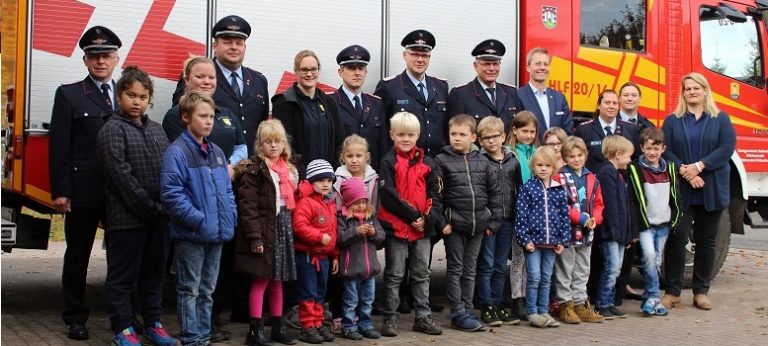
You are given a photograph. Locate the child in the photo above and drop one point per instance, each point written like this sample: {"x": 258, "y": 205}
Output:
{"x": 130, "y": 150}
{"x": 265, "y": 185}
{"x": 360, "y": 233}
{"x": 494, "y": 252}
{"x": 555, "y": 137}
{"x": 202, "y": 218}
{"x": 572, "y": 266}
{"x": 524, "y": 140}
{"x": 615, "y": 232}
{"x": 314, "y": 227}
{"x": 542, "y": 224}
{"x": 655, "y": 201}
{"x": 409, "y": 204}
{"x": 469, "y": 189}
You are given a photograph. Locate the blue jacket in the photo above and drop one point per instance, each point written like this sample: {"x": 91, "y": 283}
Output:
{"x": 616, "y": 216}
{"x": 536, "y": 205}
{"x": 197, "y": 193}
{"x": 718, "y": 140}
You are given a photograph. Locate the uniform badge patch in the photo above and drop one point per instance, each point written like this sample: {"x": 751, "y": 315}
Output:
{"x": 226, "y": 121}
{"x": 402, "y": 102}
{"x": 321, "y": 219}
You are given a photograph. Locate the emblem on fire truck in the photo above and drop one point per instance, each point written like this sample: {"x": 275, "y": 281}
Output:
{"x": 549, "y": 16}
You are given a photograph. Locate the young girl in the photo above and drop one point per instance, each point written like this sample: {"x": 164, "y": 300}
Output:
{"x": 314, "y": 227}
{"x": 555, "y": 137}
{"x": 265, "y": 186}
{"x": 359, "y": 235}
{"x": 130, "y": 149}
{"x": 523, "y": 140}
{"x": 543, "y": 227}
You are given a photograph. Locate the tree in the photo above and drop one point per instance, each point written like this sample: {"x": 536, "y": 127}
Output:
{"x": 717, "y": 65}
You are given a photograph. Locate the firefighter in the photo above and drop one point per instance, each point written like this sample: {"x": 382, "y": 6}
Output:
{"x": 77, "y": 183}
{"x": 415, "y": 92}
{"x": 483, "y": 95}
{"x": 361, "y": 113}
{"x": 541, "y": 100}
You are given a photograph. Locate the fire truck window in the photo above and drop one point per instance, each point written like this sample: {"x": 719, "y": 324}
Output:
{"x": 731, "y": 48}
{"x": 617, "y": 24}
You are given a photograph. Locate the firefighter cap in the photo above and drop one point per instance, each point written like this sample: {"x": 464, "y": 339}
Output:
{"x": 231, "y": 26}
{"x": 489, "y": 50}
{"x": 99, "y": 39}
{"x": 353, "y": 55}
{"x": 419, "y": 39}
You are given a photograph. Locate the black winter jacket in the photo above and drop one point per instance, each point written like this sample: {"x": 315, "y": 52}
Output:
{"x": 510, "y": 180}
{"x": 469, "y": 189}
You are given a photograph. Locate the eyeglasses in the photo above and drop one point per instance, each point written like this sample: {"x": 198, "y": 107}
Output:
{"x": 424, "y": 56}
{"x": 313, "y": 70}
{"x": 554, "y": 144}
{"x": 272, "y": 141}
{"x": 490, "y": 138}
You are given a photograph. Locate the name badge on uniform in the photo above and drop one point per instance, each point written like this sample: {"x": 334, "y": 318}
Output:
{"x": 595, "y": 143}
{"x": 402, "y": 102}
{"x": 559, "y": 113}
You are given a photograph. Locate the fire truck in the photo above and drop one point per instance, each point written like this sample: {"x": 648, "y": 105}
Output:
{"x": 594, "y": 44}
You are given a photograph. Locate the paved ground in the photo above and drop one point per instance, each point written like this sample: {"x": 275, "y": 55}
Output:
{"x": 31, "y": 303}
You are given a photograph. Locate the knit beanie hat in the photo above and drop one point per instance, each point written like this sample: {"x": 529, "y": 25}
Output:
{"x": 352, "y": 190}
{"x": 319, "y": 169}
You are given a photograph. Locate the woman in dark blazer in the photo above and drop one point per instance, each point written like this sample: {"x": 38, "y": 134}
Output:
{"x": 700, "y": 139}
{"x": 311, "y": 118}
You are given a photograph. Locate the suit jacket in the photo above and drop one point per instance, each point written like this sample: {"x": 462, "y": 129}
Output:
{"x": 371, "y": 125}
{"x": 76, "y": 119}
{"x": 592, "y": 134}
{"x": 400, "y": 95}
{"x": 251, "y": 108}
{"x": 559, "y": 113}
{"x": 472, "y": 99}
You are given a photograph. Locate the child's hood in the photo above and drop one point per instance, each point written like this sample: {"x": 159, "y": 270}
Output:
{"x": 344, "y": 173}
{"x": 242, "y": 166}
{"x": 449, "y": 150}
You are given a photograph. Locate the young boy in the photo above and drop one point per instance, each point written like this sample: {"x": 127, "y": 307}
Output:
{"x": 469, "y": 190}
{"x": 494, "y": 252}
{"x": 572, "y": 266}
{"x": 655, "y": 203}
{"x": 409, "y": 204}
{"x": 201, "y": 219}
{"x": 614, "y": 234}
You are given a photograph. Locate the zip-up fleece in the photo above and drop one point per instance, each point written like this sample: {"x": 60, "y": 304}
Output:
{"x": 469, "y": 189}
{"x": 370, "y": 179}
{"x": 314, "y": 216}
{"x": 510, "y": 180}
{"x": 543, "y": 216}
{"x": 645, "y": 181}
{"x": 358, "y": 253}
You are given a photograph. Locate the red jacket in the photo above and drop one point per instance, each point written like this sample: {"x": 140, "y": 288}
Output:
{"x": 314, "y": 216}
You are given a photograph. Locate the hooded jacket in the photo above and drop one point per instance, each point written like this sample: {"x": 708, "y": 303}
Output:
{"x": 314, "y": 216}
{"x": 370, "y": 179}
{"x": 358, "y": 253}
{"x": 616, "y": 217}
{"x": 469, "y": 188}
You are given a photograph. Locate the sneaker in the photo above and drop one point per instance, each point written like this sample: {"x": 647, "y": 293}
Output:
{"x": 661, "y": 310}
{"x": 506, "y": 317}
{"x": 649, "y": 306}
{"x": 607, "y": 315}
{"x": 326, "y": 334}
{"x": 587, "y": 313}
{"x": 351, "y": 334}
{"x": 427, "y": 326}
{"x": 551, "y": 321}
{"x": 537, "y": 320}
{"x": 127, "y": 337}
{"x": 310, "y": 336}
{"x": 466, "y": 323}
{"x": 158, "y": 336}
{"x": 490, "y": 316}
{"x": 389, "y": 328}
{"x": 336, "y": 327}
{"x": 616, "y": 312}
{"x": 370, "y": 333}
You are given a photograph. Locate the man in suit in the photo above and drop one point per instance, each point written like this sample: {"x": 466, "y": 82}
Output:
{"x": 77, "y": 183}
{"x": 415, "y": 92}
{"x": 361, "y": 113}
{"x": 240, "y": 89}
{"x": 483, "y": 95}
{"x": 549, "y": 105}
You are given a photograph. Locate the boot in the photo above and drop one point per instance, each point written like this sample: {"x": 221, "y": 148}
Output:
{"x": 586, "y": 313}
{"x": 280, "y": 334}
{"x": 256, "y": 336}
{"x": 567, "y": 313}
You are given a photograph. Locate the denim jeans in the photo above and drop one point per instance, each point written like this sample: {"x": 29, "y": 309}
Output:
{"x": 613, "y": 254}
{"x": 312, "y": 274}
{"x": 358, "y": 301}
{"x": 652, "y": 243}
{"x": 492, "y": 265}
{"x": 538, "y": 265}
{"x": 197, "y": 268}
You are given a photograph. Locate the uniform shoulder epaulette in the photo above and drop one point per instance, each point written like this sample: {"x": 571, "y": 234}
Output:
{"x": 587, "y": 122}
{"x": 627, "y": 122}
{"x": 389, "y": 78}
{"x": 374, "y": 96}
{"x": 72, "y": 82}
{"x": 462, "y": 86}
{"x": 507, "y": 84}
{"x": 440, "y": 78}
